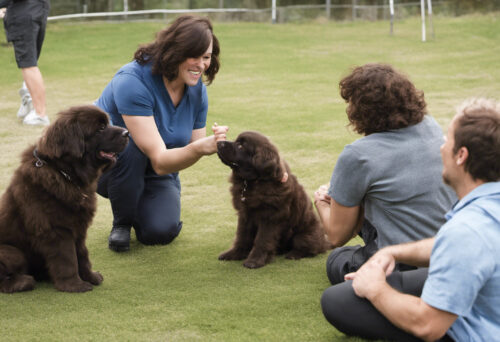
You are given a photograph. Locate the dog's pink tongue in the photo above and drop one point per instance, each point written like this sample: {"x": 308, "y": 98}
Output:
{"x": 107, "y": 154}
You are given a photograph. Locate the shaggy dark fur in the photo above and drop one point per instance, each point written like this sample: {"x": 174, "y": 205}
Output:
{"x": 275, "y": 215}
{"x": 50, "y": 203}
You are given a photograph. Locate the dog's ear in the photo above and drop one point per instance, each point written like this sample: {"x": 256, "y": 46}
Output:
{"x": 63, "y": 137}
{"x": 271, "y": 166}
{"x": 280, "y": 171}
{"x": 283, "y": 174}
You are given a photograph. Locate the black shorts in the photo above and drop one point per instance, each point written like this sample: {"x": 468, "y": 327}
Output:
{"x": 25, "y": 22}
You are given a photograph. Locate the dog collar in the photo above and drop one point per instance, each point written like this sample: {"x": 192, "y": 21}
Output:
{"x": 39, "y": 162}
{"x": 243, "y": 198}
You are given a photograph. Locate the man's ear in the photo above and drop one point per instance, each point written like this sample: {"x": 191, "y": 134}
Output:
{"x": 462, "y": 155}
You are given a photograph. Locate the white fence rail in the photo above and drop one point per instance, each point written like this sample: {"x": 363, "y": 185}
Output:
{"x": 327, "y": 10}
{"x": 156, "y": 11}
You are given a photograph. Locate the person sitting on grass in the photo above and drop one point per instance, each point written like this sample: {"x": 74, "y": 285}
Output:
{"x": 458, "y": 297}
{"x": 386, "y": 186}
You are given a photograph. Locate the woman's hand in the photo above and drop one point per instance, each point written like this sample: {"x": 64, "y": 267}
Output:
{"x": 208, "y": 145}
{"x": 219, "y": 132}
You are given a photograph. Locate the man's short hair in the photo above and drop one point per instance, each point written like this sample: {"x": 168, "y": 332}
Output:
{"x": 477, "y": 127}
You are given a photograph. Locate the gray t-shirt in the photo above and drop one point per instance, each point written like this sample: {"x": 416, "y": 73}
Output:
{"x": 396, "y": 177}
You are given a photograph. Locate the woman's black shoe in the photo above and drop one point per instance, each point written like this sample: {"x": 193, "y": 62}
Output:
{"x": 119, "y": 239}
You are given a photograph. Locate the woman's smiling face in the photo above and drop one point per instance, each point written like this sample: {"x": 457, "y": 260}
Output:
{"x": 191, "y": 70}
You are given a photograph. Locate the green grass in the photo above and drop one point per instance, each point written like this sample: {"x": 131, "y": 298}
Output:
{"x": 281, "y": 80}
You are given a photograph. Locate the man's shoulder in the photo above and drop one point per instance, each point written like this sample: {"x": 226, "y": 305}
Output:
{"x": 479, "y": 220}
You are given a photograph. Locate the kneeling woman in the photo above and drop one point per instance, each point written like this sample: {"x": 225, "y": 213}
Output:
{"x": 161, "y": 99}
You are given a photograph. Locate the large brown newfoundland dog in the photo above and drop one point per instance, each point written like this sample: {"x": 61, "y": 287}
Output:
{"x": 50, "y": 203}
{"x": 275, "y": 215}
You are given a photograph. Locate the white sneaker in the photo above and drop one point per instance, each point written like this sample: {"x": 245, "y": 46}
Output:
{"x": 34, "y": 119}
{"x": 26, "y": 103}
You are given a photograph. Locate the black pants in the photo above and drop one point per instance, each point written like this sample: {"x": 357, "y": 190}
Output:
{"x": 141, "y": 199}
{"x": 347, "y": 259}
{"x": 356, "y": 316}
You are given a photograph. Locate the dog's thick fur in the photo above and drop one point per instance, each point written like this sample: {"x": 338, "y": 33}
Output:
{"x": 275, "y": 215}
{"x": 51, "y": 201}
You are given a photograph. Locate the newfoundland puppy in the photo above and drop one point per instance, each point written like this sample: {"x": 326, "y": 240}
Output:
{"x": 275, "y": 215}
{"x": 50, "y": 203}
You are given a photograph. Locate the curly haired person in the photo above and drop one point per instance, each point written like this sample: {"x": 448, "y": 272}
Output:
{"x": 386, "y": 186}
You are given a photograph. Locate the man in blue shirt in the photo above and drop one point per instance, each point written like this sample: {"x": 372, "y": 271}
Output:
{"x": 458, "y": 299}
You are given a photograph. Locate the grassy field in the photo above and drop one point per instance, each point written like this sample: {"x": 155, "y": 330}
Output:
{"x": 281, "y": 80}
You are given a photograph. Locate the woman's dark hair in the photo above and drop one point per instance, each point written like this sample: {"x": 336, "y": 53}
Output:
{"x": 380, "y": 99}
{"x": 477, "y": 128}
{"x": 187, "y": 37}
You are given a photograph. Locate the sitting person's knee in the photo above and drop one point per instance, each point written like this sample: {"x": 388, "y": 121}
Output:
{"x": 159, "y": 235}
{"x": 339, "y": 263}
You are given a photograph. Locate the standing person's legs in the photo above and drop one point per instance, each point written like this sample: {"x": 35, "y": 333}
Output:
{"x": 34, "y": 82}
{"x": 32, "y": 75}
{"x": 159, "y": 209}
{"x": 26, "y": 101}
{"x": 26, "y": 29}
{"x": 124, "y": 185}
{"x": 356, "y": 316}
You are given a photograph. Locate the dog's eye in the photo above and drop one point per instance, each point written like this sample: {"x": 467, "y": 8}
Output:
{"x": 239, "y": 146}
{"x": 102, "y": 128}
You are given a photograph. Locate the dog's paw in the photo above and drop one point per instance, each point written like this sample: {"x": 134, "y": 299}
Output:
{"x": 73, "y": 285}
{"x": 253, "y": 264}
{"x": 295, "y": 255}
{"x": 17, "y": 283}
{"x": 233, "y": 254}
{"x": 95, "y": 278}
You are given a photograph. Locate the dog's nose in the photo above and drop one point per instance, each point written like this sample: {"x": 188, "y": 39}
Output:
{"x": 220, "y": 144}
{"x": 125, "y": 133}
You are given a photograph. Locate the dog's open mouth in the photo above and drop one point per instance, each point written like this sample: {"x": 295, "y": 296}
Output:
{"x": 108, "y": 155}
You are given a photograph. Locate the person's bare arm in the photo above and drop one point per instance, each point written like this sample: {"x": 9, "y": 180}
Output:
{"x": 341, "y": 223}
{"x": 417, "y": 253}
{"x": 198, "y": 134}
{"x": 146, "y": 136}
